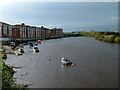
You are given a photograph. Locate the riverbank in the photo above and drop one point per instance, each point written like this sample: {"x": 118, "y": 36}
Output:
{"x": 7, "y": 73}
{"x": 19, "y": 41}
{"x": 7, "y": 78}
{"x": 112, "y": 37}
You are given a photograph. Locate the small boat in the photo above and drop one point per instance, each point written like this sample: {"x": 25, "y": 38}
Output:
{"x": 35, "y": 49}
{"x": 12, "y": 45}
{"x": 66, "y": 61}
{"x": 31, "y": 45}
{"x": 38, "y": 42}
{"x": 21, "y": 50}
{"x": 17, "y": 53}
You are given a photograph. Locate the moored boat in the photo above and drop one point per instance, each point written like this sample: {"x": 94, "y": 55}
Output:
{"x": 35, "y": 49}
{"x": 21, "y": 50}
{"x": 12, "y": 45}
{"x": 17, "y": 53}
{"x": 31, "y": 45}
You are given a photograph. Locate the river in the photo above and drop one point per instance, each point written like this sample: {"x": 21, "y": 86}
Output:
{"x": 95, "y": 64}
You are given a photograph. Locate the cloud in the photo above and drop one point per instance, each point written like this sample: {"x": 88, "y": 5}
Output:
{"x": 73, "y": 24}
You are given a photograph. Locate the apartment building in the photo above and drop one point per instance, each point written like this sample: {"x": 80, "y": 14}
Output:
{"x": 23, "y": 31}
{"x": 5, "y": 31}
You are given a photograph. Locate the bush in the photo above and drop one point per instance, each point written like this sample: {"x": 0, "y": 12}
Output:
{"x": 91, "y": 33}
{"x": 105, "y": 38}
{"x": 117, "y": 40}
{"x": 84, "y": 33}
{"x": 8, "y": 80}
{"x": 7, "y": 74}
{"x": 101, "y": 37}
{"x": 97, "y": 35}
{"x": 109, "y": 38}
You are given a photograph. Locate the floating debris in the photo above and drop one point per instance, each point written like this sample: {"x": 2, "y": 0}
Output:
{"x": 17, "y": 67}
{"x": 24, "y": 74}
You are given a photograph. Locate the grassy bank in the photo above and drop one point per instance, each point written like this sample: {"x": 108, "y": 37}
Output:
{"x": 113, "y": 37}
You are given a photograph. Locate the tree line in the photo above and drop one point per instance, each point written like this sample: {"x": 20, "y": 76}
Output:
{"x": 113, "y": 37}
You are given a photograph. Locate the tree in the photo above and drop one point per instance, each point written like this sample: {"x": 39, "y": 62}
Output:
{"x": 117, "y": 40}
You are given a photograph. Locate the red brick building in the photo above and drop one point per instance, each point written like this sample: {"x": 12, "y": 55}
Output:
{"x": 45, "y": 32}
{"x": 5, "y": 30}
{"x": 38, "y": 32}
{"x": 22, "y": 31}
{"x": 53, "y": 32}
{"x": 32, "y": 33}
{"x": 56, "y": 32}
{"x": 16, "y": 32}
{"x": 60, "y": 32}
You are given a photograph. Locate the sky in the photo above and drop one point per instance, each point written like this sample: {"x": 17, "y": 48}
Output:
{"x": 71, "y": 16}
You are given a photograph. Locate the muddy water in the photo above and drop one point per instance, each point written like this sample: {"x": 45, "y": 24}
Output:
{"x": 95, "y": 64}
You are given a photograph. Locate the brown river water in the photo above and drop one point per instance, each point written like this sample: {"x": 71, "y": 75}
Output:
{"x": 95, "y": 64}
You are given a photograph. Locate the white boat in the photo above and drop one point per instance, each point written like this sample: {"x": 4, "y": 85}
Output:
{"x": 35, "y": 49}
{"x": 17, "y": 53}
{"x": 65, "y": 61}
{"x": 21, "y": 50}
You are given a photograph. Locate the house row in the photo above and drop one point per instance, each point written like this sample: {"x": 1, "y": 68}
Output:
{"x": 22, "y": 31}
